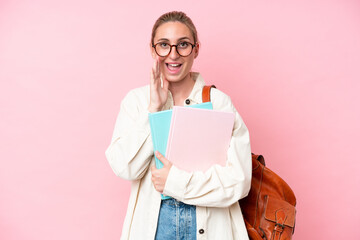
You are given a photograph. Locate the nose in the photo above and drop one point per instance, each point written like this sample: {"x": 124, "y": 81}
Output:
{"x": 173, "y": 53}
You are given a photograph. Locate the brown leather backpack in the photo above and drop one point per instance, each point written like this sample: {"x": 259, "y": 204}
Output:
{"x": 269, "y": 209}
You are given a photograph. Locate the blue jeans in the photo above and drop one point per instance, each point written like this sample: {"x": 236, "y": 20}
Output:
{"x": 177, "y": 221}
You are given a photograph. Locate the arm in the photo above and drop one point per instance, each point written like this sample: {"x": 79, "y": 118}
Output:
{"x": 131, "y": 150}
{"x": 219, "y": 186}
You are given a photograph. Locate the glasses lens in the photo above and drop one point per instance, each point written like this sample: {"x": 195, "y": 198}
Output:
{"x": 184, "y": 49}
{"x": 162, "y": 49}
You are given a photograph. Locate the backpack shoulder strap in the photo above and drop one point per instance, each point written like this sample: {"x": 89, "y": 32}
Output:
{"x": 206, "y": 93}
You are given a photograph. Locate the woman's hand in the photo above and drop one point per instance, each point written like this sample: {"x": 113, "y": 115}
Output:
{"x": 158, "y": 93}
{"x": 159, "y": 176}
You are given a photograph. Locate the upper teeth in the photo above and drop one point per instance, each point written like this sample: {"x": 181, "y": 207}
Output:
{"x": 174, "y": 65}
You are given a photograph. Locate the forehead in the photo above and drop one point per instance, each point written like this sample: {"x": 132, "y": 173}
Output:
{"x": 172, "y": 31}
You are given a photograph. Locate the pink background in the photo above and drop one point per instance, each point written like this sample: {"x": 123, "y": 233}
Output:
{"x": 292, "y": 69}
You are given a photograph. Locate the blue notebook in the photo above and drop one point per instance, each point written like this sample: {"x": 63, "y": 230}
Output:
{"x": 160, "y": 127}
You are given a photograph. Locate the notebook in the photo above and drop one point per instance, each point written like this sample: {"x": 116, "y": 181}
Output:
{"x": 160, "y": 126}
{"x": 199, "y": 138}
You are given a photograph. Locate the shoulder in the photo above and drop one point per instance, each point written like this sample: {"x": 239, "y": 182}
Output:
{"x": 137, "y": 96}
{"x": 139, "y": 92}
{"x": 221, "y": 101}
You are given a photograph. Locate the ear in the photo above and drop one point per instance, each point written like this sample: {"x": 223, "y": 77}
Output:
{"x": 152, "y": 50}
{"x": 196, "y": 49}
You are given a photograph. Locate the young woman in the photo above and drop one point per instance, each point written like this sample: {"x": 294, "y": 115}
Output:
{"x": 203, "y": 204}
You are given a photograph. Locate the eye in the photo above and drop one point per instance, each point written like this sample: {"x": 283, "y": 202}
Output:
{"x": 183, "y": 44}
{"x": 163, "y": 45}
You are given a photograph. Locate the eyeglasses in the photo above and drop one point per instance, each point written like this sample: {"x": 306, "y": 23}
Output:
{"x": 184, "y": 49}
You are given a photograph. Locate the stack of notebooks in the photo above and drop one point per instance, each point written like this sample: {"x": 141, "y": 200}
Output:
{"x": 193, "y": 138}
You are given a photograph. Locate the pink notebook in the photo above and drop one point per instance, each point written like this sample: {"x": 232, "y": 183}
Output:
{"x": 199, "y": 138}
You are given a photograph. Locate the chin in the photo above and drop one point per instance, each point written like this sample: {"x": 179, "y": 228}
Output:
{"x": 174, "y": 78}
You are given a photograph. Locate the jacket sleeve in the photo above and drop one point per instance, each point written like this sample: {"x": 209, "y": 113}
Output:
{"x": 219, "y": 186}
{"x": 130, "y": 150}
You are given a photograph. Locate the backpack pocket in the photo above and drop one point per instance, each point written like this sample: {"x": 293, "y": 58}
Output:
{"x": 278, "y": 219}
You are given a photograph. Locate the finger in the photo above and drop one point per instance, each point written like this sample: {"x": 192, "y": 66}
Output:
{"x": 165, "y": 83}
{"x": 154, "y": 65}
{"x": 156, "y": 69}
{"x": 152, "y": 75}
{"x": 155, "y": 185}
{"x": 161, "y": 158}
{"x": 157, "y": 65}
{"x": 153, "y": 168}
{"x": 152, "y": 78}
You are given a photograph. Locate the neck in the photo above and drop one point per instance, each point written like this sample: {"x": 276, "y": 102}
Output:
{"x": 181, "y": 90}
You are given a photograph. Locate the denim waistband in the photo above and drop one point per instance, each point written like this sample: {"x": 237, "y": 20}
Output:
{"x": 177, "y": 221}
{"x": 173, "y": 201}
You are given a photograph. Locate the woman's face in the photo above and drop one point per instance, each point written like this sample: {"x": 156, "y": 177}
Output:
{"x": 174, "y": 67}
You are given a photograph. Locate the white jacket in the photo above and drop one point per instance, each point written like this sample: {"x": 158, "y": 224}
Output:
{"x": 214, "y": 192}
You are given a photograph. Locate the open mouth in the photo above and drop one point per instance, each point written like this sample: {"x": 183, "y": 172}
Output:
{"x": 173, "y": 67}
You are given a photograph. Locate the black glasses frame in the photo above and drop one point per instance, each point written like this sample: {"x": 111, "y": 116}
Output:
{"x": 176, "y": 48}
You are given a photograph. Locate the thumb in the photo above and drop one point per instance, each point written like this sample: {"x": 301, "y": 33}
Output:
{"x": 162, "y": 158}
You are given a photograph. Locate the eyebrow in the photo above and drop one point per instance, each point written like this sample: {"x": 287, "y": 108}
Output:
{"x": 165, "y": 39}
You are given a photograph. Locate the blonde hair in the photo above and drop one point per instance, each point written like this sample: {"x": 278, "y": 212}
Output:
{"x": 174, "y": 16}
